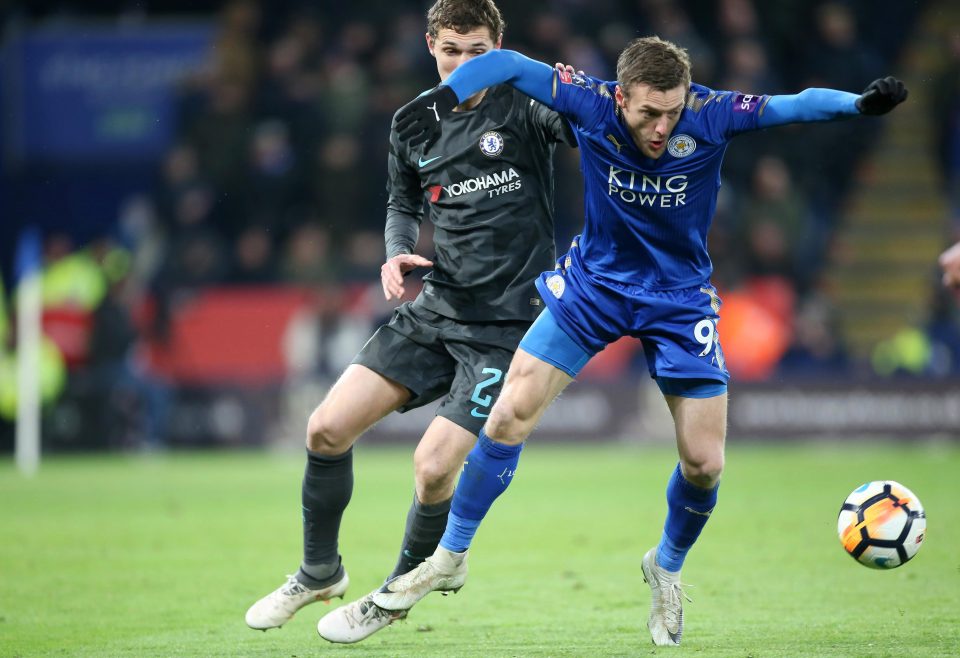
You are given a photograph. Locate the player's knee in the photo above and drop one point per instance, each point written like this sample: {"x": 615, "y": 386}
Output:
{"x": 703, "y": 470}
{"x": 325, "y": 435}
{"x": 435, "y": 480}
{"x": 504, "y": 424}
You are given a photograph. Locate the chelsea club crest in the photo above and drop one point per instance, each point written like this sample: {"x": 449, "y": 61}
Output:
{"x": 681, "y": 146}
{"x": 491, "y": 144}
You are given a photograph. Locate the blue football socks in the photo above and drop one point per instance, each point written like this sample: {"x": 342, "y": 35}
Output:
{"x": 688, "y": 510}
{"x": 487, "y": 472}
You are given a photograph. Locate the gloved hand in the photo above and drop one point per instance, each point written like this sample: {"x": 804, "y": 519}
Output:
{"x": 881, "y": 96}
{"x": 419, "y": 120}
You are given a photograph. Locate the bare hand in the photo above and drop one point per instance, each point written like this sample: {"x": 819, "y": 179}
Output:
{"x": 950, "y": 262}
{"x": 566, "y": 68}
{"x": 391, "y": 273}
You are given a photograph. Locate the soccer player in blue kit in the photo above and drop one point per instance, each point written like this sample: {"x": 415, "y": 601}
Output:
{"x": 651, "y": 148}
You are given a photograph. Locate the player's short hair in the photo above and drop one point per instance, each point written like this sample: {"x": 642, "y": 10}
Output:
{"x": 652, "y": 61}
{"x": 464, "y": 15}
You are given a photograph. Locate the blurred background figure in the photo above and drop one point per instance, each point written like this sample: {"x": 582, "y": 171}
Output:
{"x": 946, "y": 118}
{"x": 127, "y": 404}
{"x": 950, "y": 263}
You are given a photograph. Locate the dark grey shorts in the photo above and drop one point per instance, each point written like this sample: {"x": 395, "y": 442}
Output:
{"x": 434, "y": 357}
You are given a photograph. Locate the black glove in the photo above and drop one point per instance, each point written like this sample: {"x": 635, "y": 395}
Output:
{"x": 419, "y": 120}
{"x": 881, "y": 96}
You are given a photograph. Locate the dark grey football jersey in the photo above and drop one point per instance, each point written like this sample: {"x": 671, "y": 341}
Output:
{"x": 487, "y": 184}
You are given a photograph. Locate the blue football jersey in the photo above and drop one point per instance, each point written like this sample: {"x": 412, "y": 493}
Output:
{"x": 646, "y": 220}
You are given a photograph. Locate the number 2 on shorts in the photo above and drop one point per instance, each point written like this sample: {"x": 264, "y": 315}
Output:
{"x": 485, "y": 400}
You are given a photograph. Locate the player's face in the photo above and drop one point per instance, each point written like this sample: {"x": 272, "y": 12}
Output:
{"x": 651, "y": 115}
{"x": 451, "y": 48}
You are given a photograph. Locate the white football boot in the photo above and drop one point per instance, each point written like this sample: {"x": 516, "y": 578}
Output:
{"x": 279, "y": 606}
{"x": 666, "y": 607}
{"x": 444, "y": 571}
{"x": 356, "y": 621}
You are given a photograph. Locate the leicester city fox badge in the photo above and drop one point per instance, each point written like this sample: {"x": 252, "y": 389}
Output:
{"x": 680, "y": 146}
{"x": 556, "y": 285}
{"x": 491, "y": 144}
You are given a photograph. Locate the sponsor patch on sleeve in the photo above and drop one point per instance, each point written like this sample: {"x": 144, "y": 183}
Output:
{"x": 568, "y": 78}
{"x": 746, "y": 102}
{"x": 581, "y": 81}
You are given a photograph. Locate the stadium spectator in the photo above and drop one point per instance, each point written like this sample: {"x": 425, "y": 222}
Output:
{"x": 950, "y": 263}
{"x": 339, "y": 185}
{"x": 273, "y": 183}
{"x": 71, "y": 277}
{"x": 293, "y": 81}
{"x": 737, "y": 19}
{"x": 638, "y": 269}
{"x": 943, "y": 332}
{"x": 671, "y": 22}
{"x": 747, "y": 68}
{"x": 362, "y": 257}
{"x": 837, "y": 58}
{"x": 908, "y": 353}
{"x": 308, "y": 256}
{"x": 197, "y": 253}
{"x": 934, "y": 349}
{"x": 253, "y": 257}
{"x": 130, "y": 405}
{"x": 489, "y": 182}
{"x": 945, "y": 110}
{"x": 779, "y": 228}
{"x": 816, "y": 349}
{"x": 217, "y": 108}
{"x": 179, "y": 172}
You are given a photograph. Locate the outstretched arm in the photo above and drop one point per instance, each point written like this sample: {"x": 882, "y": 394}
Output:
{"x": 879, "y": 97}
{"x": 419, "y": 120}
{"x": 533, "y": 78}
{"x": 809, "y": 105}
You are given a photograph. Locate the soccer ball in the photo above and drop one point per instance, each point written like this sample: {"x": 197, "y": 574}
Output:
{"x": 882, "y": 524}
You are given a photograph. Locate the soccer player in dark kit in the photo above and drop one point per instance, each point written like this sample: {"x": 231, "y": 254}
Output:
{"x": 488, "y": 184}
{"x": 651, "y": 148}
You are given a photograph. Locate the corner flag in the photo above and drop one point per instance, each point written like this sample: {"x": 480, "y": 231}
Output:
{"x": 28, "y": 263}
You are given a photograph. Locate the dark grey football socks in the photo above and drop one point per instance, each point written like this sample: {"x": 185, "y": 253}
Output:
{"x": 425, "y": 525}
{"x": 326, "y": 491}
{"x": 327, "y": 574}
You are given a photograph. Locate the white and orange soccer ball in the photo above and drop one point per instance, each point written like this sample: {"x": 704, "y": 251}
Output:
{"x": 882, "y": 524}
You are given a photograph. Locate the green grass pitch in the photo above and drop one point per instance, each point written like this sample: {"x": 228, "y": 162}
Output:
{"x": 161, "y": 556}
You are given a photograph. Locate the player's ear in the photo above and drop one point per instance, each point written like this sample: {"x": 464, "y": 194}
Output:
{"x": 430, "y": 44}
{"x": 619, "y": 97}
{"x": 499, "y": 42}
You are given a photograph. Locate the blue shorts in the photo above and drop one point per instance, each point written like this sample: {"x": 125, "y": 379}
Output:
{"x": 678, "y": 328}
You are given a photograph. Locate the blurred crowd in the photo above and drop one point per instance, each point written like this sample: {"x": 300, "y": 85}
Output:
{"x": 278, "y": 173}
{"x": 278, "y": 170}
